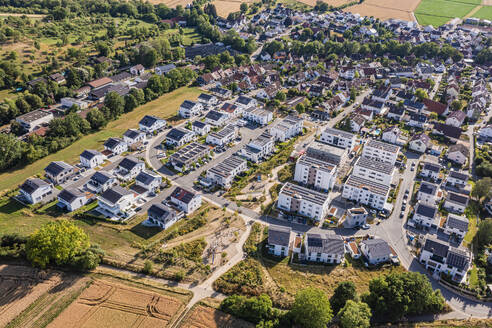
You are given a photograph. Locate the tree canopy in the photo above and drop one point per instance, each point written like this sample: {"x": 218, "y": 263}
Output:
{"x": 345, "y": 291}
{"x": 311, "y": 309}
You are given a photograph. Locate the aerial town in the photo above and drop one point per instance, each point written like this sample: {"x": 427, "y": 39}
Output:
{"x": 287, "y": 156}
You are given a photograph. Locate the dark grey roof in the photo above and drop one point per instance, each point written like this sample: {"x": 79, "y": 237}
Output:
{"x": 149, "y": 120}
{"x": 458, "y": 258}
{"x": 199, "y": 124}
{"x": 397, "y": 110}
{"x": 111, "y": 143}
{"x": 205, "y": 97}
{"x": 89, "y": 154}
{"x": 428, "y": 188}
{"x": 418, "y": 117}
{"x": 129, "y": 163}
{"x": 121, "y": 77}
{"x": 114, "y": 194}
{"x": 457, "y": 198}
{"x": 176, "y": 134}
{"x": 328, "y": 244}
{"x": 243, "y": 100}
{"x": 183, "y": 195}
{"x": 459, "y": 175}
{"x": 132, "y": 133}
{"x": 55, "y": 168}
{"x": 167, "y": 68}
{"x": 427, "y": 211}
{"x": 161, "y": 212}
{"x": 101, "y": 177}
{"x": 145, "y": 178}
{"x": 188, "y": 104}
{"x": 436, "y": 247}
{"x": 278, "y": 235}
{"x": 377, "y": 247}
{"x": 432, "y": 167}
{"x": 70, "y": 194}
{"x": 215, "y": 115}
{"x": 457, "y": 222}
{"x": 31, "y": 185}
{"x": 448, "y": 130}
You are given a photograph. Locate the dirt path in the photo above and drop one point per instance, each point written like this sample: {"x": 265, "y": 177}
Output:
{"x": 474, "y": 10}
{"x": 27, "y": 15}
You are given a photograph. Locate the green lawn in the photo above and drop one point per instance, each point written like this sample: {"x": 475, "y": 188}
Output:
{"x": 484, "y": 13}
{"x": 165, "y": 106}
{"x": 439, "y": 12}
{"x": 472, "y": 231}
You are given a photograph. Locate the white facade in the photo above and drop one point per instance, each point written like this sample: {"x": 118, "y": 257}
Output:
{"x": 258, "y": 115}
{"x": 91, "y": 158}
{"x": 373, "y": 170}
{"x": 115, "y": 202}
{"x": 338, "y": 138}
{"x": 190, "y": 109}
{"x": 366, "y": 192}
{"x": 381, "y": 151}
{"x": 426, "y": 215}
{"x": 296, "y": 199}
{"x": 376, "y": 251}
{"x": 186, "y": 201}
{"x": 116, "y": 145}
{"x": 34, "y": 190}
{"x": 286, "y": 129}
{"x": 223, "y": 174}
{"x": 314, "y": 172}
{"x": 355, "y": 217}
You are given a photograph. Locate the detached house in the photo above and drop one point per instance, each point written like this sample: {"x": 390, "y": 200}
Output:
{"x": 59, "y": 172}
{"x": 200, "y": 128}
{"x": 100, "y": 182}
{"x": 324, "y": 248}
{"x": 71, "y": 199}
{"x": 279, "y": 240}
{"x": 116, "y": 146}
{"x": 428, "y": 194}
{"x": 449, "y": 131}
{"x": 426, "y": 215}
{"x": 216, "y": 118}
{"x": 137, "y": 69}
{"x": 147, "y": 183}
{"x": 116, "y": 202}
{"x": 185, "y": 200}
{"x": 178, "y": 137}
{"x": 129, "y": 168}
{"x": 355, "y": 217}
{"x": 162, "y": 216}
{"x": 207, "y": 100}
{"x": 457, "y": 179}
{"x": 190, "y": 109}
{"x": 149, "y": 124}
{"x": 456, "y": 119}
{"x": 133, "y": 137}
{"x": 430, "y": 170}
{"x": 33, "y": 190}
{"x": 420, "y": 142}
{"x": 376, "y": 251}
{"x": 456, "y": 203}
{"x": 458, "y": 153}
{"x": 391, "y": 134}
{"x": 91, "y": 158}
{"x": 456, "y": 225}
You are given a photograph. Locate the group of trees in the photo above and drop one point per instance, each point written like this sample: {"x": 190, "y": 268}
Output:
{"x": 390, "y": 297}
{"x": 64, "y": 131}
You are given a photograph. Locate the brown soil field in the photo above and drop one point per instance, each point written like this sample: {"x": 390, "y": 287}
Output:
{"x": 377, "y": 9}
{"x": 106, "y": 304}
{"x": 334, "y": 3}
{"x": 19, "y": 287}
{"x": 172, "y": 3}
{"x": 206, "y": 317}
{"x": 225, "y": 7}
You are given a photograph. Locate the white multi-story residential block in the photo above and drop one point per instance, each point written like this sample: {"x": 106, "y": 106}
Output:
{"x": 258, "y": 148}
{"x": 328, "y": 153}
{"x": 426, "y": 215}
{"x": 185, "y": 200}
{"x": 279, "y": 240}
{"x": 373, "y": 170}
{"x": 324, "y": 248}
{"x": 366, "y": 192}
{"x": 91, "y": 158}
{"x": 223, "y": 173}
{"x": 315, "y": 173}
{"x": 303, "y": 201}
{"x": 224, "y": 136}
{"x": 258, "y": 115}
{"x": 439, "y": 257}
{"x": 289, "y": 127}
{"x": 381, "y": 151}
{"x": 338, "y": 138}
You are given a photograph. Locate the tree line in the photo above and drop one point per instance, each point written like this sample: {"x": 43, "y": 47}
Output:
{"x": 65, "y": 131}
{"x": 390, "y": 298}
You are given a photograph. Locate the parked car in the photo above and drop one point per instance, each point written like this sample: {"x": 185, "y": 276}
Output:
{"x": 366, "y": 226}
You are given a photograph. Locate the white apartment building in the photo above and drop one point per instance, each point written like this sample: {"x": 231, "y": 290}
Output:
{"x": 289, "y": 127}
{"x": 258, "y": 148}
{"x": 381, "y": 151}
{"x": 224, "y": 136}
{"x": 258, "y": 115}
{"x": 303, "y": 201}
{"x": 366, "y": 192}
{"x": 315, "y": 173}
{"x": 223, "y": 173}
{"x": 338, "y": 138}
{"x": 371, "y": 169}
{"x": 324, "y": 248}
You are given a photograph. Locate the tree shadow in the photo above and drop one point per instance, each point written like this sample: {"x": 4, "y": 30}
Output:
{"x": 145, "y": 232}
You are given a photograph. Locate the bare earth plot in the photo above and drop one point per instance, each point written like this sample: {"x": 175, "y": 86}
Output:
{"x": 206, "y": 317}
{"x": 225, "y": 7}
{"x": 386, "y": 9}
{"x": 106, "y": 304}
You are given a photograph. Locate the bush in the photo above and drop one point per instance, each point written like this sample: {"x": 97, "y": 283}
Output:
{"x": 253, "y": 309}
{"x": 243, "y": 278}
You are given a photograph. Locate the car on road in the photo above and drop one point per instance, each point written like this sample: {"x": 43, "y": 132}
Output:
{"x": 366, "y": 226}
{"x": 402, "y": 214}
{"x": 407, "y": 191}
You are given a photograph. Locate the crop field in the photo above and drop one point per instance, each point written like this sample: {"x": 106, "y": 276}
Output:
{"x": 225, "y": 7}
{"x": 484, "y": 13}
{"x": 106, "y": 304}
{"x": 206, "y": 317}
{"x": 439, "y": 12}
{"x": 386, "y": 9}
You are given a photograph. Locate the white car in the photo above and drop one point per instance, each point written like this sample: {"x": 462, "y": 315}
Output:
{"x": 366, "y": 226}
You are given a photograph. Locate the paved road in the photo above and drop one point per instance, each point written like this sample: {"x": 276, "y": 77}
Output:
{"x": 391, "y": 229}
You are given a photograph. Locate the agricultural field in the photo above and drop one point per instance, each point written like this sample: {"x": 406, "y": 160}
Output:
{"x": 484, "y": 13}
{"x": 203, "y": 316}
{"x": 386, "y": 9}
{"x": 106, "y": 304}
{"x": 439, "y": 12}
{"x": 225, "y": 7}
{"x": 165, "y": 106}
